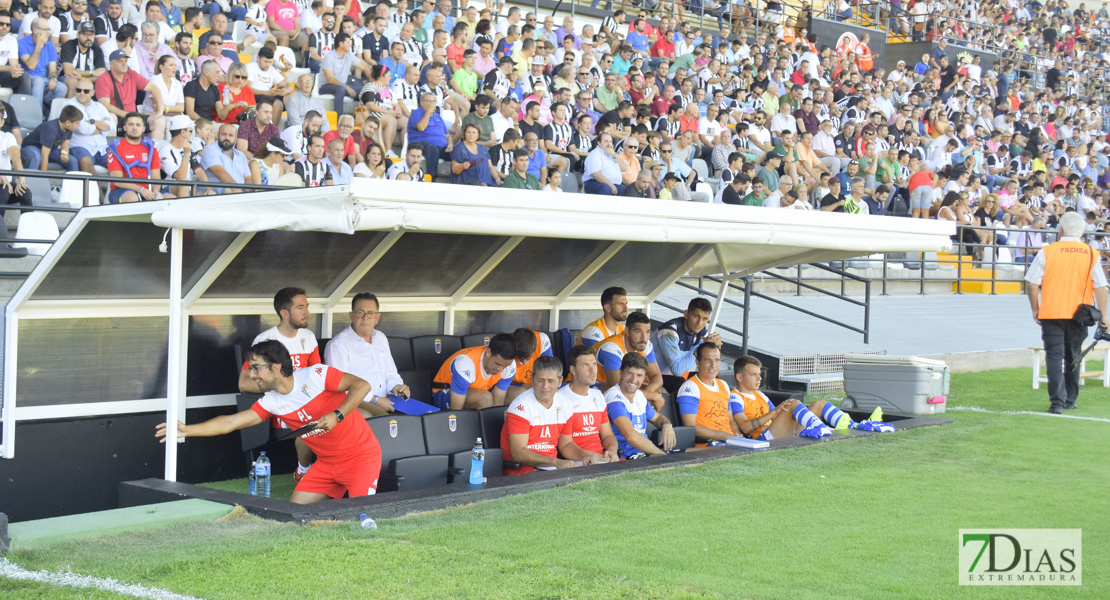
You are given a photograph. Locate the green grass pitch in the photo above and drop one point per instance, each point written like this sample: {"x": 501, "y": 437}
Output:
{"x": 866, "y": 518}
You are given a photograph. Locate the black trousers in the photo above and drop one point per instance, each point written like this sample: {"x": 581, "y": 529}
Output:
{"x": 1063, "y": 341}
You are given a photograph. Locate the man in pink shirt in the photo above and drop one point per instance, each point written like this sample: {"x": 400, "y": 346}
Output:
{"x": 285, "y": 24}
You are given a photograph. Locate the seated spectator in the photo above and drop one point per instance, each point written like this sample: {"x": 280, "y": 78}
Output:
{"x": 374, "y": 167}
{"x": 236, "y": 97}
{"x": 470, "y": 161}
{"x": 202, "y": 94}
{"x": 341, "y": 172}
{"x": 481, "y": 118}
{"x": 118, "y": 87}
{"x": 337, "y": 68}
{"x": 13, "y": 190}
{"x": 90, "y": 142}
{"x": 642, "y": 187}
{"x": 602, "y": 174}
{"x": 223, "y": 162}
{"x": 283, "y": 18}
{"x": 635, "y": 338}
{"x": 378, "y": 98}
{"x": 759, "y": 419}
{"x": 81, "y": 57}
{"x": 537, "y": 159}
{"x": 630, "y": 412}
{"x": 734, "y": 191}
{"x": 428, "y": 132}
{"x": 134, "y": 156}
{"x": 589, "y": 423}
{"x": 476, "y": 378}
{"x": 537, "y": 425}
{"x": 219, "y": 32}
{"x": 267, "y": 81}
{"x": 255, "y": 133}
{"x": 363, "y": 350}
{"x": 50, "y": 141}
{"x": 345, "y": 134}
{"x": 410, "y": 166}
{"x": 150, "y": 48}
{"x": 520, "y": 178}
{"x": 301, "y": 102}
{"x": 212, "y": 49}
{"x": 268, "y": 164}
{"x": 179, "y": 161}
{"x": 38, "y": 57}
{"x": 173, "y": 93}
{"x": 313, "y": 169}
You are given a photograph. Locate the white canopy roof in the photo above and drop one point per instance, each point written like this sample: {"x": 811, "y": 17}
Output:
{"x": 749, "y": 238}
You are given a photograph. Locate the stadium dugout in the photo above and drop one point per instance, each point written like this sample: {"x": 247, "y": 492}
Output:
{"x": 108, "y": 336}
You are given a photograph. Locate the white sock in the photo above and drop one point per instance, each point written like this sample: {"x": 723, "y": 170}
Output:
{"x": 301, "y": 469}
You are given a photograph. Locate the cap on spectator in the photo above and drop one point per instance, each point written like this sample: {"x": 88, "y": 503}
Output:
{"x": 854, "y": 162}
{"x": 506, "y": 60}
{"x": 538, "y": 60}
{"x": 179, "y": 122}
{"x": 652, "y": 163}
{"x": 775, "y": 154}
{"x": 86, "y": 27}
{"x": 278, "y": 145}
{"x": 118, "y": 54}
{"x": 670, "y": 177}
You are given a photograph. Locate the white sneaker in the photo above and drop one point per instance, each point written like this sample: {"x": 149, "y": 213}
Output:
{"x": 391, "y": 154}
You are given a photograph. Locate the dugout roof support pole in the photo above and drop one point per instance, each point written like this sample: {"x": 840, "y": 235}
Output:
{"x": 177, "y": 350}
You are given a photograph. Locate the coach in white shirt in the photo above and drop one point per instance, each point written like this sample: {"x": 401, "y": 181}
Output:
{"x": 363, "y": 351}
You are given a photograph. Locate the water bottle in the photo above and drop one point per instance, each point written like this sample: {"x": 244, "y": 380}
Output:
{"x": 477, "y": 462}
{"x": 367, "y": 522}
{"x": 253, "y": 481}
{"x": 227, "y": 95}
{"x": 262, "y": 474}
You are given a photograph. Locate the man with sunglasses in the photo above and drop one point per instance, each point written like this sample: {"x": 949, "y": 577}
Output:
{"x": 77, "y": 15}
{"x": 90, "y": 141}
{"x": 11, "y": 72}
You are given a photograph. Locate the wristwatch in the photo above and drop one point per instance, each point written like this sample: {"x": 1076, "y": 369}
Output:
{"x": 339, "y": 416}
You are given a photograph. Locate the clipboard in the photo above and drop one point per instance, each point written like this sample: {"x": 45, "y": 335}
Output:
{"x": 297, "y": 432}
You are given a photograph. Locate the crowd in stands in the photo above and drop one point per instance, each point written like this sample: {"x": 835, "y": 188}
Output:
{"x": 636, "y": 106}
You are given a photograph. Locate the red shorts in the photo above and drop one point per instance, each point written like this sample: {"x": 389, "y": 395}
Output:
{"x": 357, "y": 476}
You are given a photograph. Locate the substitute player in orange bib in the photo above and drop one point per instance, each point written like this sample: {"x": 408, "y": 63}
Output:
{"x": 349, "y": 458}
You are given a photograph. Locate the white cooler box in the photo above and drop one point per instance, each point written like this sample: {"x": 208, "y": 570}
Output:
{"x": 899, "y": 384}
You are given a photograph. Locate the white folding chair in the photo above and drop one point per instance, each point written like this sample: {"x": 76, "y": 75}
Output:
{"x": 72, "y": 195}
{"x": 239, "y": 31}
{"x": 56, "y": 108}
{"x": 36, "y": 226}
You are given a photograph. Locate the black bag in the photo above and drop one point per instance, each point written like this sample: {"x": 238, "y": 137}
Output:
{"x": 1088, "y": 314}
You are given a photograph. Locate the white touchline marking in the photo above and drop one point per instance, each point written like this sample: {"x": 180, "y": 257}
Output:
{"x": 13, "y": 571}
{"x": 1026, "y": 412}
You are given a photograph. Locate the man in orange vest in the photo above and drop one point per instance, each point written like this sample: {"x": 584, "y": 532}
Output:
{"x": 864, "y": 59}
{"x": 476, "y": 378}
{"x": 1064, "y": 275}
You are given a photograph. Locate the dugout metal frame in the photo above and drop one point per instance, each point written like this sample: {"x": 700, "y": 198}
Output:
{"x": 526, "y": 251}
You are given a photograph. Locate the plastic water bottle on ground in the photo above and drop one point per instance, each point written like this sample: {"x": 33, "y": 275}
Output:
{"x": 367, "y": 522}
{"x": 477, "y": 463}
{"x": 252, "y": 479}
{"x": 262, "y": 475}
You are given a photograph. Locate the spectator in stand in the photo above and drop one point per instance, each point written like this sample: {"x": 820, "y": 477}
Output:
{"x": 38, "y": 58}
{"x": 81, "y": 59}
{"x": 267, "y": 82}
{"x": 223, "y": 162}
{"x": 50, "y": 141}
{"x": 313, "y": 169}
{"x": 135, "y": 157}
{"x": 90, "y": 143}
{"x": 470, "y": 162}
{"x": 341, "y": 171}
{"x": 410, "y": 166}
{"x": 602, "y": 172}
{"x": 284, "y": 21}
{"x": 255, "y": 133}
{"x": 301, "y": 102}
{"x": 428, "y": 131}
{"x": 236, "y": 97}
{"x": 202, "y": 93}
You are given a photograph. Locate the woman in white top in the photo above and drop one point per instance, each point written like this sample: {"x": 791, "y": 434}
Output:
{"x": 374, "y": 165}
{"x": 269, "y": 164}
{"x": 173, "y": 93}
{"x": 554, "y": 182}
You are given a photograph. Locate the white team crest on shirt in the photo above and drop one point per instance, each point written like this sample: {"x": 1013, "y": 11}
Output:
{"x": 393, "y": 428}
{"x": 304, "y": 388}
{"x": 485, "y": 341}
{"x": 145, "y": 157}
{"x": 452, "y": 423}
{"x": 304, "y": 345}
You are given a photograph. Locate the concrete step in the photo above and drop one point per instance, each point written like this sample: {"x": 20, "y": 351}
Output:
{"x": 44, "y": 532}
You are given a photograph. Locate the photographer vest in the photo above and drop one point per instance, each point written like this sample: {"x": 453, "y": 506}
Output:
{"x": 1067, "y": 279}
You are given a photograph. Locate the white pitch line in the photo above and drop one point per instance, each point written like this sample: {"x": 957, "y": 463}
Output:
{"x": 1026, "y": 412}
{"x": 13, "y": 571}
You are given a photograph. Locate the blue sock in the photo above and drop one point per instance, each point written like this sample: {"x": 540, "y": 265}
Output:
{"x": 806, "y": 418}
{"x": 832, "y": 414}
